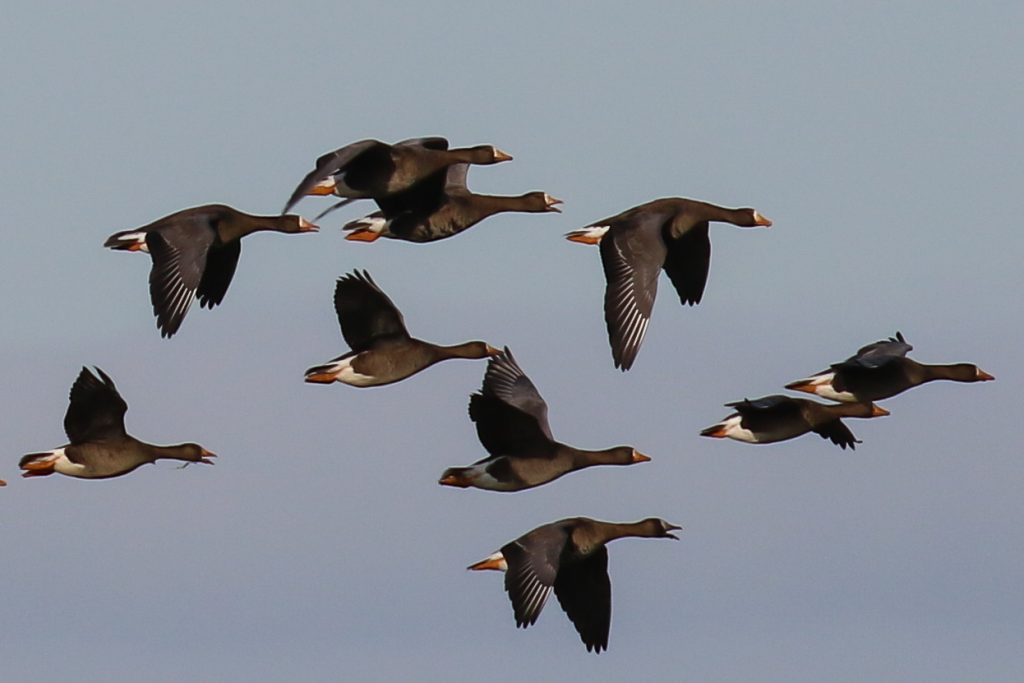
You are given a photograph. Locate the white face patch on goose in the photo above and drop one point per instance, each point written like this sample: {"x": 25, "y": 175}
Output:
{"x": 343, "y": 372}
{"x": 734, "y": 430}
{"x": 481, "y": 478}
{"x": 498, "y": 559}
{"x": 371, "y": 223}
{"x": 592, "y": 234}
{"x": 552, "y": 202}
{"x": 63, "y": 465}
{"x": 821, "y": 385}
{"x": 136, "y": 239}
{"x": 50, "y": 457}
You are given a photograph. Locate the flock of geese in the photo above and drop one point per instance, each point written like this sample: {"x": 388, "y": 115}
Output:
{"x": 419, "y": 187}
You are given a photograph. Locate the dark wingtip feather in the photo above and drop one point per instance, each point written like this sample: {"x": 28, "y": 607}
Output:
{"x": 503, "y": 363}
{"x": 333, "y": 207}
{"x": 622, "y": 354}
{"x": 292, "y": 201}
{"x": 619, "y": 358}
{"x": 167, "y": 322}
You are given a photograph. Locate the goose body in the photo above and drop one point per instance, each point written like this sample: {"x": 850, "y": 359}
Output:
{"x": 569, "y": 556}
{"x": 195, "y": 252}
{"x": 441, "y": 206}
{"x": 779, "y": 418}
{"x": 636, "y": 245}
{"x": 511, "y": 421}
{"x": 382, "y": 350}
{"x": 373, "y": 169}
{"x": 882, "y": 370}
{"x": 99, "y": 447}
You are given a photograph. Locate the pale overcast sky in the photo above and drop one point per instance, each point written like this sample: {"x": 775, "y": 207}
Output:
{"x": 884, "y": 140}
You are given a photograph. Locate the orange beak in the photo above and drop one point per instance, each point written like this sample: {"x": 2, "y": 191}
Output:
{"x": 984, "y": 376}
{"x": 502, "y": 156}
{"x": 640, "y": 457}
{"x": 878, "y": 411}
{"x": 762, "y": 220}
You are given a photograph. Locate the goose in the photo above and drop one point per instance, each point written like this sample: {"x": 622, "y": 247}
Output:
{"x": 882, "y": 370}
{"x": 99, "y": 447}
{"x": 441, "y": 206}
{"x": 571, "y": 556}
{"x": 382, "y": 350}
{"x": 195, "y": 252}
{"x": 778, "y": 418}
{"x": 665, "y": 234}
{"x": 512, "y": 422}
{"x": 371, "y": 168}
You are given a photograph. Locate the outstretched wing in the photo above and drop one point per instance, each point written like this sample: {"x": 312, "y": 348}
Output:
{"x": 423, "y": 197}
{"x": 776, "y": 402}
{"x": 420, "y": 199}
{"x": 365, "y": 312}
{"x": 330, "y": 164}
{"x": 179, "y": 252}
{"x": 838, "y": 433}
{"x": 533, "y": 565}
{"x": 879, "y": 353}
{"x": 220, "y": 268}
{"x": 511, "y": 416}
{"x": 585, "y": 593}
{"x": 764, "y": 414}
{"x": 632, "y": 254}
{"x": 96, "y": 411}
{"x": 687, "y": 262}
{"x": 870, "y": 362}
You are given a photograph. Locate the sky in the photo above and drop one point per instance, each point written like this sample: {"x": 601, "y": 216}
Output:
{"x": 883, "y": 139}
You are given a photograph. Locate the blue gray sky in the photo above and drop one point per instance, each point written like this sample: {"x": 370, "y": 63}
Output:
{"x": 883, "y": 139}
